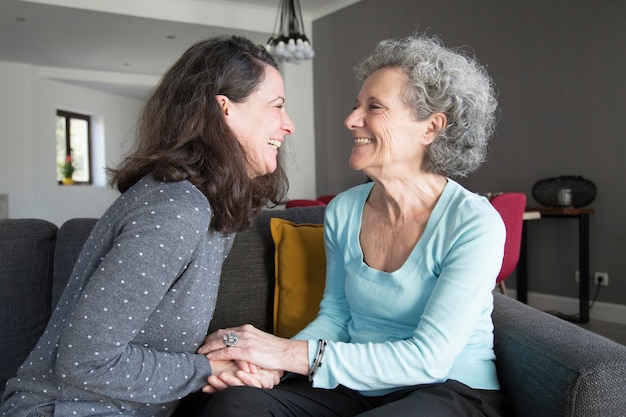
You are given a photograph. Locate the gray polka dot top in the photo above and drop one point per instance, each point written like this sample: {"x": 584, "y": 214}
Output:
{"x": 123, "y": 337}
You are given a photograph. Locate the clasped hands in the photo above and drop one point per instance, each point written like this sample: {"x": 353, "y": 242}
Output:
{"x": 257, "y": 360}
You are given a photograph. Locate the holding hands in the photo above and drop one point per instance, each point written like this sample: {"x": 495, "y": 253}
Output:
{"x": 259, "y": 358}
{"x": 238, "y": 373}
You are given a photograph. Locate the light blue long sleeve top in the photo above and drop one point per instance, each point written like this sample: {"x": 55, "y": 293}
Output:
{"x": 428, "y": 321}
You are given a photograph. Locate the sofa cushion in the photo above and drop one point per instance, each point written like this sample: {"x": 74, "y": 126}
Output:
{"x": 246, "y": 291}
{"x": 247, "y": 282}
{"x": 70, "y": 240}
{"x": 300, "y": 270}
{"x": 26, "y": 252}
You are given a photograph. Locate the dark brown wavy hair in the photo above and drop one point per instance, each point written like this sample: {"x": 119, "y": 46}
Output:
{"x": 182, "y": 133}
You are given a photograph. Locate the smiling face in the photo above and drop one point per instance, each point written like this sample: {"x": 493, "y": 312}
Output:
{"x": 387, "y": 136}
{"x": 261, "y": 122}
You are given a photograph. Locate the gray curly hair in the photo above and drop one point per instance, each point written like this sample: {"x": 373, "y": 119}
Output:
{"x": 444, "y": 80}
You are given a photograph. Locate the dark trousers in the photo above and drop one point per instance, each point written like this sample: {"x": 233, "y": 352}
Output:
{"x": 297, "y": 398}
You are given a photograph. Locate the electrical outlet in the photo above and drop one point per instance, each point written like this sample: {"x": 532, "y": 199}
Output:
{"x": 601, "y": 278}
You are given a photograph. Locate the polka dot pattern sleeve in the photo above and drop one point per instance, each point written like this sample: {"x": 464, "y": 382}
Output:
{"x": 142, "y": 307}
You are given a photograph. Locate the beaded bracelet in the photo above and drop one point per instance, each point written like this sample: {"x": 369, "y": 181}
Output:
{"x": 317, "y": 362}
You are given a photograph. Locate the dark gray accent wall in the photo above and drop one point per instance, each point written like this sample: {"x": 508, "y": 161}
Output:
{"x": 560, "y": 68}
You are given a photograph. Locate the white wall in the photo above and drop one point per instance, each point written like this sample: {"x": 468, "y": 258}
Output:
{"x": 28, "y": 105}
{"x": 27, "y": 137}
{"x": 298, "y": 151}
{"x": 16, "y": 149}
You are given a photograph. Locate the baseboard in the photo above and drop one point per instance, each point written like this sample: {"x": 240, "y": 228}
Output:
{"x": 615, "y": 313}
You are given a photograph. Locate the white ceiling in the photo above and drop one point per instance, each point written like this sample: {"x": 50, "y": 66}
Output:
{"x": 123, "y": 46}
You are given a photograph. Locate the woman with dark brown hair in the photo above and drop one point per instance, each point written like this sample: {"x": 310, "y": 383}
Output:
{"x": 123, "y": 337}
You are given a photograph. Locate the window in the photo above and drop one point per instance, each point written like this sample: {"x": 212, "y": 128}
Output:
{"x": 73, "y": 144}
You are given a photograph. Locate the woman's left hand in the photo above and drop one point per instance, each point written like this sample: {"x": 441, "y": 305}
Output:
{"x": 260, "y": 378}
{"x": 257, "y": 347}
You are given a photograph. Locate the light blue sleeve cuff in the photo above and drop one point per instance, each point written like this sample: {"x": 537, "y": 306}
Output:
{"x": 312, "y": 348}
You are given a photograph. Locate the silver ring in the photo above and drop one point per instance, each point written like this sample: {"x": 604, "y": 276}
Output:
{"x": 230, "y": 339}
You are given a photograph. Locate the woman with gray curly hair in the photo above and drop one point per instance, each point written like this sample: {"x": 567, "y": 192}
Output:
{"x": 404, "y": 327}
{"x": 447, "y": 81}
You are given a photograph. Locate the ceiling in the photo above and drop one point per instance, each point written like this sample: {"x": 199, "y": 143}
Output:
{"x": 123, "y": 46}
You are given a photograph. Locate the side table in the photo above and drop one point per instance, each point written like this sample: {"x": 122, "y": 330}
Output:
{"x": 582, "y": 215}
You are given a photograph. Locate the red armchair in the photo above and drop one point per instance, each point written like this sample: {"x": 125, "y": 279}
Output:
{"x": 511, "y": 207}
{"x": 302, "y": 202}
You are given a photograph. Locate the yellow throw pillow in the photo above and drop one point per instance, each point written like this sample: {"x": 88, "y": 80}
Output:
{"x": 300, "y": 274}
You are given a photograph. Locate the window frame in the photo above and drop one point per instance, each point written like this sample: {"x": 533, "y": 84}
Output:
{"x": 68, "y": 115}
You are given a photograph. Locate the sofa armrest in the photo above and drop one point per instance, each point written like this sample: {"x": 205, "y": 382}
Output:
{"x": 550, "y": 367}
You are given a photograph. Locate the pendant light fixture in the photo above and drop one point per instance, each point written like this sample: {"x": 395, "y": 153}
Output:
{"x": 288, "y": 42}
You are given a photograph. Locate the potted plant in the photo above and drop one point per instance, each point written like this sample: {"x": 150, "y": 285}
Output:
{"x": 67, "y": 170}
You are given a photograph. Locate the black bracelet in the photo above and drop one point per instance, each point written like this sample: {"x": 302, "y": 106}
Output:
{"x": 317, "y": 362}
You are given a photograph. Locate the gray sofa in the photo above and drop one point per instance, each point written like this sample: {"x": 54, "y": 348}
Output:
{"x": 547, "y": 366}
